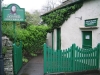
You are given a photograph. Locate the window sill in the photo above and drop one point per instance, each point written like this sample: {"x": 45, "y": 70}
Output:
{"x": 89, "y": 27}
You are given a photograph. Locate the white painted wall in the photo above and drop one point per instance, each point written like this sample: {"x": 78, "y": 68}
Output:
{"x": 55, "y": 39}
{"x": 70, "y": 30}
{"x": 49, "y": 39}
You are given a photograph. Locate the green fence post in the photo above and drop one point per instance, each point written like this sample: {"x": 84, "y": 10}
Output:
{"x": 45, "y": 58}
{"x": 98, "y": 56}
{"x": 14, "y": 59}
{"x": 14, "y": 26}
{"x": 17, "y": 57}
{"x": 21, "y": 53}
{"x": 73, "y": 57}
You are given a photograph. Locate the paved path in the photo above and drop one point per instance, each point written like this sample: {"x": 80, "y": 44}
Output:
{"x": 33, "y": 67}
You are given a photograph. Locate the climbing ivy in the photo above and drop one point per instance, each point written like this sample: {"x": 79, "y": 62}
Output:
{"x": 57, "y": 17}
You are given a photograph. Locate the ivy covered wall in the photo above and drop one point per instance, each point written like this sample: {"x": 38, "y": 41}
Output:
{"x": 56, "y": 18}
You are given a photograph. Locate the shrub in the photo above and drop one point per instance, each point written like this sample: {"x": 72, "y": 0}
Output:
{"x": 33, "y": 37}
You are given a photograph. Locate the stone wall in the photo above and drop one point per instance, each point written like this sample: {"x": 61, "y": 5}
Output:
{"x": 8, "y": 62}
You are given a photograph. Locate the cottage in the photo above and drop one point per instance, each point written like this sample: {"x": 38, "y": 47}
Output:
{"x": 75, "y": 21}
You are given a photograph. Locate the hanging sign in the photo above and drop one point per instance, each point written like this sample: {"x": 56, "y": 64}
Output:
{"x": 13, "y": 13}
{"x": 91, "y": 22}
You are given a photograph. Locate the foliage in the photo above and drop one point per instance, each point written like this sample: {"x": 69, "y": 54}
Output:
{"x": 36, "y": 37}
{"x": 23, "y": 25}
{"x": 7, "y": 29}
{"x": 57, "y": 17}
{"x": 25, "y": 60}
{"x": 32, "y": 54}
{"x": 4, "y": 50}
{"x": 32, "y": 37}
{"x": 33, "y": 18}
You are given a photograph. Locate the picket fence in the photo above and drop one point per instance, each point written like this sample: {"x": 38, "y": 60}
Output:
{"x": 73, "y": 59}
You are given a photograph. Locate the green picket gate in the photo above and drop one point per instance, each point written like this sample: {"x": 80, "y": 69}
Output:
{"x": 73, "y": 59}
{"x": 17, "y": 58}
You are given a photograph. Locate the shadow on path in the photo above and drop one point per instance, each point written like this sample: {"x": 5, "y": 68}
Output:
{"x": 33, "y": 67}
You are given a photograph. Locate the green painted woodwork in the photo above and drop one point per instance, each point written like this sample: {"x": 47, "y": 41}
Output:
{"x": 14, "y": 35}
{"x": 45, "y": 58}
{"x": 52, "y": 40}
{"x": 91, "y": 22}
{"x": 13, "y": 13}
{"x": 87, "y": 39}
{"x": 73, "y": 59}
{"x": 17, "y": 57}
{"x": 58, "y": 38}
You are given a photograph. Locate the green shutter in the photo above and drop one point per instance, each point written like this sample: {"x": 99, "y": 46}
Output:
{"x": 58, "y": 38}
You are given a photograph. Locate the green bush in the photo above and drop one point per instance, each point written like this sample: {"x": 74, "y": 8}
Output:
{"x": 8, "y": 31}
{"x": 33, "y": 37}
{"x": 37, "y": 37}
{"x": 25, "y": 60}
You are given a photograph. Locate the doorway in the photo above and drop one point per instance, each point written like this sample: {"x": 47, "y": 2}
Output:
{"x": 58, "y": 38}
{"x": 87, "y": 39}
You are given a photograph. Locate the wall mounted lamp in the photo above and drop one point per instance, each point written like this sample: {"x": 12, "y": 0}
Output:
{"x": 79, "y": 17}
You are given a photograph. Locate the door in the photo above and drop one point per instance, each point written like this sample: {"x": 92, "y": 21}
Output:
{"x": 87, "y": 39}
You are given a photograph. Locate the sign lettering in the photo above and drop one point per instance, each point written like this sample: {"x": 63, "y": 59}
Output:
{"x": 91, "y": 22}
{"x": 13, "y": 13}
